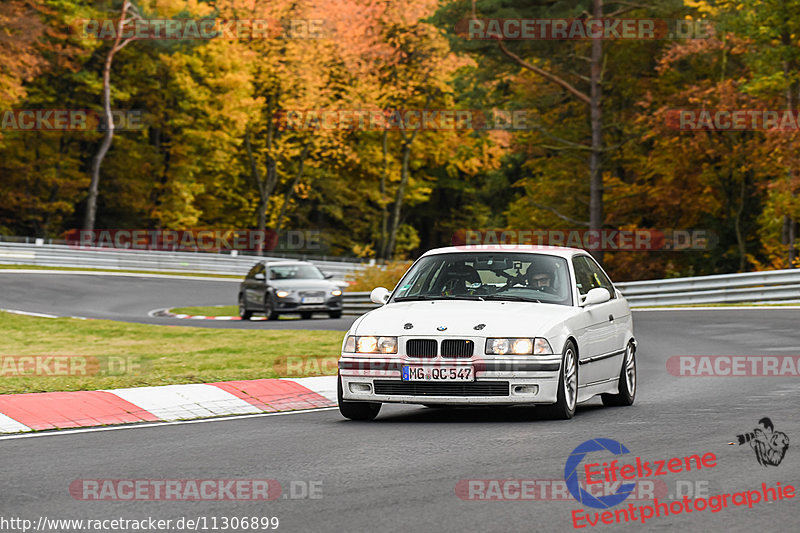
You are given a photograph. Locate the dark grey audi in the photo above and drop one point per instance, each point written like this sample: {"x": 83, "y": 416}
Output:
{"x": 288, "y": 287}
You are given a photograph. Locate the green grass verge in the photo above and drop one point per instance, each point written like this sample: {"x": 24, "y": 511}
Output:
{"x": 207, "y": 310}
{"x": 162, "y": 355}
{"x": 194, "y": 274}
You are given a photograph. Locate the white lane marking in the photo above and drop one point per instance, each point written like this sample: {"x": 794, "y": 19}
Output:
{"x": 165, "y": 313}
{"x": 322, "y": 385}
{"x": 180, "y": 402}
{"x": 737, "y": 308}
{"x": 57, "y": 433}
{"x": 28, "y": 313}
{"x": 118, "y": 274}
{"x": 9, "y": 425}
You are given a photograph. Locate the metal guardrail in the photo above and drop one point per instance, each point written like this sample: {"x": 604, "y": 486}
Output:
{"x": 357, "y": 303}
{"x": 120, "y": 259}
{"x": 750, "y": 287}
{"x": 771, "y": 286}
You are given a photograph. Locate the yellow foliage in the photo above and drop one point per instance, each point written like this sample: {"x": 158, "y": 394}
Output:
{"x": 387, "y": 275}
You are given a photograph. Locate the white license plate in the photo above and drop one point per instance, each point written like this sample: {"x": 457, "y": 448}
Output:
{"x": 312, "y": 300}
{"x": 438, "y": 373}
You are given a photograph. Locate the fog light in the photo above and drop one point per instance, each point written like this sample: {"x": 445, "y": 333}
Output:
{"x": 360, "y": 387}
{"x": 526, "y": 389}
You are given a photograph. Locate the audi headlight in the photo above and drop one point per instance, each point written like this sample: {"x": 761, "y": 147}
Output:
{"x": 370, "y": 344}
{"x": 518, "y": 346}
{"x": 336, "y": 292}
{"x": 282, "y": 294}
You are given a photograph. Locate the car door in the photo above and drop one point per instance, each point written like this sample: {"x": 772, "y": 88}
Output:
{"x": 600, "y": 354}
{"x": 255, "y": 287}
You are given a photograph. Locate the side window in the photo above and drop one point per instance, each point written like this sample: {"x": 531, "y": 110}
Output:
{"x": 589, "y": 276}
{"x": 583, "y": 277}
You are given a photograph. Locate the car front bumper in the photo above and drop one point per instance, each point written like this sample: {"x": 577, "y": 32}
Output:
{"x": 294, "y": 305}
{"x": 497, "y": 381}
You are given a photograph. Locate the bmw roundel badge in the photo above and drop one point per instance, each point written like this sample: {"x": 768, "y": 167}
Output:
{"x": 441, "y": 328}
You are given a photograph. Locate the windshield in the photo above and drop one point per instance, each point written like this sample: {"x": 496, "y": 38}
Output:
{"x": 487, "y": 276}
{"x": 295, "y": 272}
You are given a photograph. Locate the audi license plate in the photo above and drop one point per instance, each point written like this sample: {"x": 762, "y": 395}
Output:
{"x": 438, "y": 373}
{"x": 312, "y": 300}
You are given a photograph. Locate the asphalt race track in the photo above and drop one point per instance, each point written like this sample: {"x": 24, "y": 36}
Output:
{"x": 400, "y": 472}
{"x": 131, "y": 298}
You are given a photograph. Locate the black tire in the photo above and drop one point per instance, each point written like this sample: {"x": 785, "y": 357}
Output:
{"x": 627, "y": 381}
{"x": 335, "y": 314}
{"x": 567, "y": 397}
{"x": 305, "y": 315}
{"x": 269, "y": 308}
{"x": 356, "y": 410}
{"x": 244, "y": 314}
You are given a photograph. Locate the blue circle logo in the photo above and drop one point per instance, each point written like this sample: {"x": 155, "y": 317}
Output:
{"x": 571, "y": 474}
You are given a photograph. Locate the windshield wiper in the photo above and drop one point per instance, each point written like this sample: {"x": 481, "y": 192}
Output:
{"x": 438, "y": 297}
{"x": 419, "y": 297}
{"x": 512, "y": 298}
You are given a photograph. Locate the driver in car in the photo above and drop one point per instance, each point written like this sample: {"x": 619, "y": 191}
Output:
{"x": 540, "y": 279}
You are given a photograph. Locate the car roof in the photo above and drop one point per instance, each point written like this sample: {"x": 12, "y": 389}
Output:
{"x": 559, "y": 251}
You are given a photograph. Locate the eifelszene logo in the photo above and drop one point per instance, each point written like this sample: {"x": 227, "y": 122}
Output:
{"x": 616, "y": 472}
{"x": 769, "y": 445}
{"x": 572, "y": 478}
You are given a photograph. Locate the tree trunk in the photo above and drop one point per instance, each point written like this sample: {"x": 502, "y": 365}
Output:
{"x": 788, "y": 222}
{"x": 737, "y": 226}
{"x": 108, "y": 135}
{"x": 384, "y": 212}
{"x": 596, "y": 119}
{"x": 394, "y": 221}
{"x": 287, "y": 196}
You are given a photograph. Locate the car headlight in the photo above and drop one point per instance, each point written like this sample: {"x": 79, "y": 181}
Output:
{"x": 370, "y": 344}
{"x": 518, "y": 346}
{"x": 282, "y": 294}
{"x": 336, "y": 292}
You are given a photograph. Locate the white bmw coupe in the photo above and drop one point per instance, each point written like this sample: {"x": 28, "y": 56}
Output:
{"x": 492, "y": 325}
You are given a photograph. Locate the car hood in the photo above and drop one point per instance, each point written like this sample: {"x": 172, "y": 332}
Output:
{"x": 501, "y": 319}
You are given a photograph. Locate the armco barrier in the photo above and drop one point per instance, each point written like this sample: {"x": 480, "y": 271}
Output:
{"x": 750, "y": 287}
{"x": 772, "y": 286}
{"x": 119, "y": 259}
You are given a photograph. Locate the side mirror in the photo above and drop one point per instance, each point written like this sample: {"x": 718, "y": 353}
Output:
{"x": 379, "y": 295}
{"x": 595, "y": 296}
{"x": 328, "y": 276}
{"x": 259, "y": 276}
